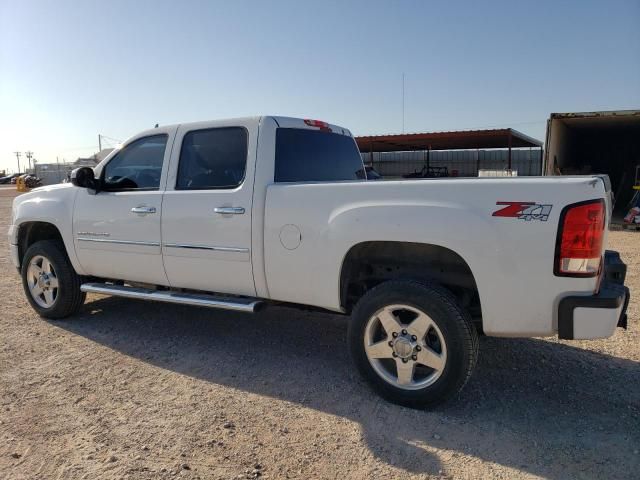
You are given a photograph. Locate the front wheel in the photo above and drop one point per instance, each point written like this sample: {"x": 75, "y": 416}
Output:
{"x": 51, "y": 284}
{"x": 413, "y": 342}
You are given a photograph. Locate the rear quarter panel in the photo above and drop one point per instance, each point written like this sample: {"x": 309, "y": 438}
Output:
{"x": 510, "y": 258}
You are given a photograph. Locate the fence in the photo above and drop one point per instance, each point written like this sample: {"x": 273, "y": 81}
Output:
{"x": 52, "y": 173}
{"x": 463, "y": 163}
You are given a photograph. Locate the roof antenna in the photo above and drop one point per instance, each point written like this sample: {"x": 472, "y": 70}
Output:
{"x": 156, "y": 125}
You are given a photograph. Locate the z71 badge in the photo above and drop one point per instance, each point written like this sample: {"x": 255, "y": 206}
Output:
{"x": 524, "y": 211}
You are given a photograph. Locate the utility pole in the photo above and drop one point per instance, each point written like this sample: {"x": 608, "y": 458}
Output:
{"x": 18, "y": 157}
{"x": 29, "y": 155}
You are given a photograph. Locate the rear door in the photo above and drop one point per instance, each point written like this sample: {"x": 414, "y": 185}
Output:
{"x": 117, "y": 231}
{"x": 206, "y": 217}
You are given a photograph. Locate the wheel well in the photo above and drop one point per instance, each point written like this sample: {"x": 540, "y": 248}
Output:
{"x": 32, "y": 232}
{"x": 371, "y": 263}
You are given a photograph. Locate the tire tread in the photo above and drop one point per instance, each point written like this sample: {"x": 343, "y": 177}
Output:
{"x": 70, "y": 297}
{"x": 454, "y": 313}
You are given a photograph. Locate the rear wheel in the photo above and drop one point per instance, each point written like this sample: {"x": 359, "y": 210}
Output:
{"x": 49, "y": 280}
{"x": 413, "y": 343}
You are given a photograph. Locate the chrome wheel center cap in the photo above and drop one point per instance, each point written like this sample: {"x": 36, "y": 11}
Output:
{"x": 403, "y": 347}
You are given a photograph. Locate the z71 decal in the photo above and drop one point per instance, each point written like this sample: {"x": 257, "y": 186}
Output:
{"x": 524, "y": 211}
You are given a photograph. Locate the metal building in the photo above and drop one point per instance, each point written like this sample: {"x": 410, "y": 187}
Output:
{"x": 461, "y": 153}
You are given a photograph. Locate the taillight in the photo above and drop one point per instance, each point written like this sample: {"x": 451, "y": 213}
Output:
{"x": 319, "y": 124}
{"x": 580, "y": 239}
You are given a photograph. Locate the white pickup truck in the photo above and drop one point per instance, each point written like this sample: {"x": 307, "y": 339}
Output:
{"x": 238, "y": 214}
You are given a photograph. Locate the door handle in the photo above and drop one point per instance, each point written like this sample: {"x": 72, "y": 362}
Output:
{"x": 229, "y": 210}
{"x": 143, "y": 209}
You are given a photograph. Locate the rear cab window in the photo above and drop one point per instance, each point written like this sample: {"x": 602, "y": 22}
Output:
{"x": 214, "y": 158}
{"x": 304, "y": 155}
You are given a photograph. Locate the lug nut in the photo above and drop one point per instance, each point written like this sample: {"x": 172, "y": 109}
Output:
{"x": 404, "y": 360}
{"x": 414, "y": 338}
{"x": 404, "y": 332}
{"x": 418, "y": 348}
{"x": 394, "y": 334}
{"x": 394, "y": 354}
{"x": 414, "y": 357}
{"x": 390, "y": 343}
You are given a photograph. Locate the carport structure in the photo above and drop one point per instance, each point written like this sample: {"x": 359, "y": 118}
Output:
{"x": 506, "y": 138}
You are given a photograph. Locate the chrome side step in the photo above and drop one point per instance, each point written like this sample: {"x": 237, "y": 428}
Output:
{"x": 201, "y": 300}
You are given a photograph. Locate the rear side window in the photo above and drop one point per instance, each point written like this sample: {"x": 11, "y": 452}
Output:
{"x": 316, "y": 156}
{"x": 212, "y": 159}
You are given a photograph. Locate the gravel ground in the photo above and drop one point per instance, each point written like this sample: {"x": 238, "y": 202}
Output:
{"x": 135, "y": 390}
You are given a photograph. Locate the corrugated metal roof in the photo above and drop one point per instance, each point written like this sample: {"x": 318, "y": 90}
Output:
{"x": 604, "y": 119}
{"x": 603, "y": 113}
{"x": 456, "y": 140}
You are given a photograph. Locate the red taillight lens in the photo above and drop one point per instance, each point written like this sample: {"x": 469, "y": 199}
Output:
{"x": 580, "y": 239}
{"x": 319, "y": 124}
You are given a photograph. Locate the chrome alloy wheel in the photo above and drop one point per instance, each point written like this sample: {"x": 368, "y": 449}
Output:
{"x": 405, "y": 347}
{"x": 42, "y": 281}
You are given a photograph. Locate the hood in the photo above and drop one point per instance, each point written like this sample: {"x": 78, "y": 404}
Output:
{"x": 56, "y": 186}
{"x": 45, "y": 194}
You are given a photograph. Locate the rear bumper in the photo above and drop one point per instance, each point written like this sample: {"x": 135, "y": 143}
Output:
{"x": 597, "y": 316}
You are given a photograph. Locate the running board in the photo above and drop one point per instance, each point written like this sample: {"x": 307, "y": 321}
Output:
{"x": 238, "y": 304}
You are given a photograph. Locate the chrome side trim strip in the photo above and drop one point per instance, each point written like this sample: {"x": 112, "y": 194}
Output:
{"x": 199, "y": 300}
{"x": 206, "y": 247}
{"x": 119, "y": 242}
{"x": 168, "y": 245}
{"x": 96, "y": 234}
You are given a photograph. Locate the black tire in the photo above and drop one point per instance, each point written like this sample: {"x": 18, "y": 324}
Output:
{"x": 452, "y": 320}
{"x": 69, "y": 298}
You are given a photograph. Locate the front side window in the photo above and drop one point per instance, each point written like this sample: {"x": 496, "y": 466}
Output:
{"x": 138, "y": 166}
{"x": 215, "y": 158}
{"x": 316, "y": 156}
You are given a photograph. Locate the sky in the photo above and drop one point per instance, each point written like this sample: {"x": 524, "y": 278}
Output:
{"x": 70, "y": 70}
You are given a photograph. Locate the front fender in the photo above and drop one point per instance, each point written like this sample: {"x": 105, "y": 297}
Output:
{"x": 53, "y": 205}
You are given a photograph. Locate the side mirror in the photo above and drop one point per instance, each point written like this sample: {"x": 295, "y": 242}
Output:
{"x": 84, "y": 177}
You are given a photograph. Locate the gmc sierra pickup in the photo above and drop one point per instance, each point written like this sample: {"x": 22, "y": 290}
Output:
{"x": 237, "y": 214}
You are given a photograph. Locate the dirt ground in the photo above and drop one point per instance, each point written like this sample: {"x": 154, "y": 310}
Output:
{"x": 136, "y": 390}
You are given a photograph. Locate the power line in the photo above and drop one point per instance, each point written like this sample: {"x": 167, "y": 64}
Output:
{"x": 113, "y": 140}
{"x": 512, "y": 124}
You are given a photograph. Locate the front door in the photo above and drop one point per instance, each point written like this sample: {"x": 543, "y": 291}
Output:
{"x": 117, "y": 230}
{"x": 206, "y": 212}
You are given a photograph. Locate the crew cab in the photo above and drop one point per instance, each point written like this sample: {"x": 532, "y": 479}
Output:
{"x": 242, "y": 213}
